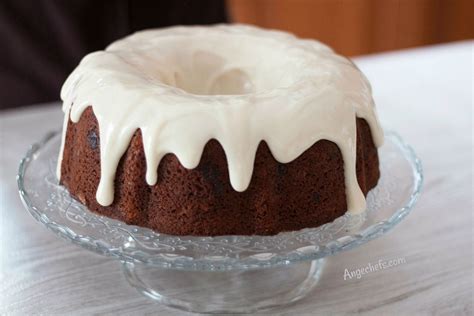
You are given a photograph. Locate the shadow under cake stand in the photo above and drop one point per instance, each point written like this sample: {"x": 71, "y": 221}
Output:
{"x": 234, "y": 274}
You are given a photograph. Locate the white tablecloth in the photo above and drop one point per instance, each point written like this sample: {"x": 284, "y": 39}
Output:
{"x": 425, "y": 94}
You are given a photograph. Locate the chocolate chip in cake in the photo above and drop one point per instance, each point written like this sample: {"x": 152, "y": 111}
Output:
{"x": 316, "y": 197}
{"x": 93, "y": 139}
{"x": 211, "y": 173}
{"x": 282, "y": 169}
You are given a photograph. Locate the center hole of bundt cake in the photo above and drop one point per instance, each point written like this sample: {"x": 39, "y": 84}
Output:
{"x": 229, "y": 82}
{"x": 217, "y": 64}
{"x": 211, "y": 74}
{"x": 224, "y": 65}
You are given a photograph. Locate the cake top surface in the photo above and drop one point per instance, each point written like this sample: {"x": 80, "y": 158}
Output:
{"x": 240, "y": 85}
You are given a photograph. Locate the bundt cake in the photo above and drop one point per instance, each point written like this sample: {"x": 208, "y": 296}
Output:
{"x": 219, "y": 130}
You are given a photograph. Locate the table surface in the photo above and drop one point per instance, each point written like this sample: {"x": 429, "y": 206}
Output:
{"x": 425, "y": 94}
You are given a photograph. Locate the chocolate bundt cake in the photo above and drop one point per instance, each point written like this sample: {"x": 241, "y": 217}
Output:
{"x": 219, "y": 130}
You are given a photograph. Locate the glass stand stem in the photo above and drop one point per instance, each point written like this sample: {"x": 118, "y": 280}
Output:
{"x": 234, "y": 291}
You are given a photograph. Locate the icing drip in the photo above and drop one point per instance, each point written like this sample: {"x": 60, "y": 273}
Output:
{"x": 183, "y": 86}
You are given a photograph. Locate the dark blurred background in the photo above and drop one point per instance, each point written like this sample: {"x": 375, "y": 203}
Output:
{"x": 43, "y": 40}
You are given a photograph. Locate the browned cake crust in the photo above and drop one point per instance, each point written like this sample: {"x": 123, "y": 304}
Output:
{"x": 306, "y": 192}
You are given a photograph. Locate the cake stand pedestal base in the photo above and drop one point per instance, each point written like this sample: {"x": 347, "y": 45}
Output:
{"x": 234, "y": 291}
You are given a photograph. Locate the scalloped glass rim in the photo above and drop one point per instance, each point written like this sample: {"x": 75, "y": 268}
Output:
{"x": 49, "y": 203}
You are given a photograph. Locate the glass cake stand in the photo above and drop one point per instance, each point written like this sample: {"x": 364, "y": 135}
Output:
{"x": 234, "y": 274}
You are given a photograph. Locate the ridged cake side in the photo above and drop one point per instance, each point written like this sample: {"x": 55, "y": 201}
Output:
{"x": 306, "y": 192}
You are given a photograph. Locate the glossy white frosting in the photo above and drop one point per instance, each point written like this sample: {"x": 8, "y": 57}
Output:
{"x": 240, "y": 85}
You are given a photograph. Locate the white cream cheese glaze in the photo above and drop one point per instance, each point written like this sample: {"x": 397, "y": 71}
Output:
{"x": 182, "y": 86}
